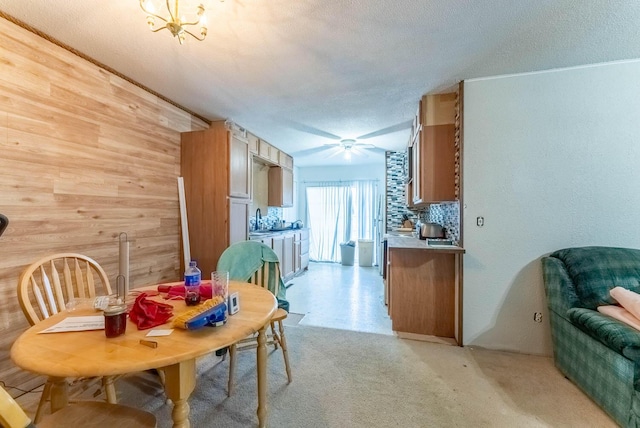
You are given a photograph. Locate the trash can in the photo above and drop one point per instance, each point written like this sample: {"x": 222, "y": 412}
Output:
{"x": 347, "y": 253}
{"x": 365, "y": 252}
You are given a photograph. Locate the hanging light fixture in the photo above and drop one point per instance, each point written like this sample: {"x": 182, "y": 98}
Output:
{"x": 175, "y": 23}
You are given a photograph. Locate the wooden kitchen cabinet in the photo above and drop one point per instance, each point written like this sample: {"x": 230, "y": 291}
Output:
{"x": 285, "y": 160}
{"x": 239, "y": 168}
{"x": 277, "y": 244}
{"x": 214, "y": 165}
{"x": 423, "y": 288}
{"x": 280, "y": 187}
{"x": 431, "y": 151}
{"x": 287, "y": 260}
{"x": 254, "y": 143}
{"x": 238, "y": 220}
{"x": 297, "y": 256}
{"x": 304, "y": 249}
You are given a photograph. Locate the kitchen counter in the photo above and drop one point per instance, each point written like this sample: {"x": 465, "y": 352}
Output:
{"x": 423, "y": 288}
{"x": 265, "y": 233}
{"x": 409, "y": 242}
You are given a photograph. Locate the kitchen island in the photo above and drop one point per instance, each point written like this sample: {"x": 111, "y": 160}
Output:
{"x": 424, "y": 288}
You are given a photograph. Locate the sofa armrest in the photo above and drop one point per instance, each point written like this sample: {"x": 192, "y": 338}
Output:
{"x": 560, "y": 291}
{"x": 614, "y": 334}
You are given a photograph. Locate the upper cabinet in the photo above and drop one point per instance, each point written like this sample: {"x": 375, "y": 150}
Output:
{"x": 239, "y": 167}
{"x": 280, "y": 187}
{"x": 431, "y": 151}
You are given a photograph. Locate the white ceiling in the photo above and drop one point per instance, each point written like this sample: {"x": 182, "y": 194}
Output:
{"x": 298, "y": 73}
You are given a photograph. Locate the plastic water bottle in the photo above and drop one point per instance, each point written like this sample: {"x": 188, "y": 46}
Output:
{"x": 192, "y": 277}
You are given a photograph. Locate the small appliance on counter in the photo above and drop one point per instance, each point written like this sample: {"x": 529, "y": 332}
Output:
{"x": 297, "y": 224}
{"x": 430, "y": 230}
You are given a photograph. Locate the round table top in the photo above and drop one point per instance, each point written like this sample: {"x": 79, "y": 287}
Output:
{"x": 90, "y": 353}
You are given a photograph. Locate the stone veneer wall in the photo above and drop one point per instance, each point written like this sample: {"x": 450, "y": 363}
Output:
{"x": 446, "y": 214}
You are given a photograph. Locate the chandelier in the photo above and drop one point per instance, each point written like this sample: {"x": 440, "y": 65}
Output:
{"x": 175, "y": 23}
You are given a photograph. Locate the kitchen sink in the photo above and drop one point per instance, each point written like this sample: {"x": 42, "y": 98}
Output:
{"x": 260, "y": 232}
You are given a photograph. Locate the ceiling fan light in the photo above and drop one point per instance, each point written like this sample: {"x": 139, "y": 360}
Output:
{"x": 347, "y": 154}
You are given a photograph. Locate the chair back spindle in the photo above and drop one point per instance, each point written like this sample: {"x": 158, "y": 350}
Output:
{"x": 47, "y": 285}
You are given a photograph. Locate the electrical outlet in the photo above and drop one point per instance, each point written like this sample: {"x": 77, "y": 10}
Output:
{"x": 537, "y": 316}
{"x": 480, "y": 221}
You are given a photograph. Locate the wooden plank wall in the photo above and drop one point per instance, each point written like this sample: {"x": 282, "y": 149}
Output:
{"x": 84, "y": 155}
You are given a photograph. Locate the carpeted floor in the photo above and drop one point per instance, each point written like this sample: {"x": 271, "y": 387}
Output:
{"x": 350, "y": 379}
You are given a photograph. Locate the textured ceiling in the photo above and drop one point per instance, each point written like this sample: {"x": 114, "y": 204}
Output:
{"x": 303, "y": 73}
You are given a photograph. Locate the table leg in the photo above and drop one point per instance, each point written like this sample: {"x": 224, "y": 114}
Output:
{"x": 180, "y": 381}
{"x": 59, "y": 393}
{"x": 262, "y": 377}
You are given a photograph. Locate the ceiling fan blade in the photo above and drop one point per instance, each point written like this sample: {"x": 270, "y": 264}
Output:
{"x": 358, "y": 152}
{"x": 373, "y": 149}
{"x": 336, "y": 151}
{"x": 312, "y": 150}
{"x": 364, "y": 146}
{"x": 311, "y": 130}
{"x": 388, "y": 130}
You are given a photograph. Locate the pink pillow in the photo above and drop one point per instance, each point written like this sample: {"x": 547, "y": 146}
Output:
{"x": 627, "y": 299}
{"x": 621, "y": 314}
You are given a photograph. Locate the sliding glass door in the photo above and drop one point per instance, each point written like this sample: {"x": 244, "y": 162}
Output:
{"x": 338, "y": 212}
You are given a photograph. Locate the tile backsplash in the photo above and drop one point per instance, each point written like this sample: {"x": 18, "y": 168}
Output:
{"x": 446, "y": 214}
{"x": 269, "y": 219}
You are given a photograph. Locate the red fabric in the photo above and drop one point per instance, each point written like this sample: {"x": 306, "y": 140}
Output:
{"x": 177, "y": 291}
{"x": 149, "y": 313}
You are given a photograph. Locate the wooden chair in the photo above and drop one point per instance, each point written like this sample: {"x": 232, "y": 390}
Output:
{"x": 90, "y": 414}
{"x": 267, "y": 275}
{"x": 48, "y": 285}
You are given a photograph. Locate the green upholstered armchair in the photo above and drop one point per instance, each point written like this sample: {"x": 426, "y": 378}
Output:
{"x": 598, "y": 353}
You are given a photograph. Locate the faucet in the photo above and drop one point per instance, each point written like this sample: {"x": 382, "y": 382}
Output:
{"x": 258, "y": 218}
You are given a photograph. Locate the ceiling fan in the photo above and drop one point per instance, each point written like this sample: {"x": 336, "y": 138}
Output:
{"x": 347, "y": 146}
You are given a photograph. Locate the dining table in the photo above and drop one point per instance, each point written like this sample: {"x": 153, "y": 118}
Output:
{"x": 77, "y": 354}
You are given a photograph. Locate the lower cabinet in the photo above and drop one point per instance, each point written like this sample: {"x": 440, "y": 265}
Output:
{"x": 287, "y": 257}
{"x": 304, "y": 249}
{"x": 422, "y": 292}
{"x": 292, "y": 249}
{"x": 278, "y": 248}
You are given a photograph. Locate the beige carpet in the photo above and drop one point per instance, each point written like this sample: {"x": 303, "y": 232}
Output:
{"x": 349, "y": 379}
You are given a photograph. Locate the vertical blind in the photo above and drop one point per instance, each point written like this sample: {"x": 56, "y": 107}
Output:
{"x": 337, "y": 212}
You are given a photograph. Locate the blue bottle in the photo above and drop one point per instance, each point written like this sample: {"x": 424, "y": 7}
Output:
{"x": 192, "y": 278}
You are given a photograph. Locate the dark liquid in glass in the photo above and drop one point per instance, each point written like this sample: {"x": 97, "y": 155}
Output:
{"x": 115, "y": 324}
{"x": 192, "y": 298}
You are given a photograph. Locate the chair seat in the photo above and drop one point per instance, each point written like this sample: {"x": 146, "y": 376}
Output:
{"x": 95, "y": 414}
{"x": 279, "y": 315}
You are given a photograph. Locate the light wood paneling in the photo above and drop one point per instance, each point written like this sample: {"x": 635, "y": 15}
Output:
{"x": 84, "y": 155}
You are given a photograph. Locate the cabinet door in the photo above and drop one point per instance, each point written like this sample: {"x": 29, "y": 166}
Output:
{"x": 297, "y": 257}
{"x": 287, "y": 187}
{"x": 278, "y": 248}
{"x": 280, "y": 187}
{"x": 285, "y": 160}
{"x": 304, "y": 249}
{"x": 254, "y": 143}
{"x": 238, "y": 220}
{"x": 434, "y": 151}
{"x": 287, "y": 256}
{"x": 239, "y": 170}
{"x": 264, "y": 149}
{"x": 274, "y": 155}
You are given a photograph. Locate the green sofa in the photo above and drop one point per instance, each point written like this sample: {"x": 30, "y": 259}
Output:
{"x": 598, "y": 353}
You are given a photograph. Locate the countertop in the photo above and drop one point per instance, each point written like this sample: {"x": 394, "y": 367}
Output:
{"x": 261, "y": 233}
{"x": 409, "y": 242}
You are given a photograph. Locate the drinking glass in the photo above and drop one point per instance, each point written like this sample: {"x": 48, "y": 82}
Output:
{"x": 220, "y": 284}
